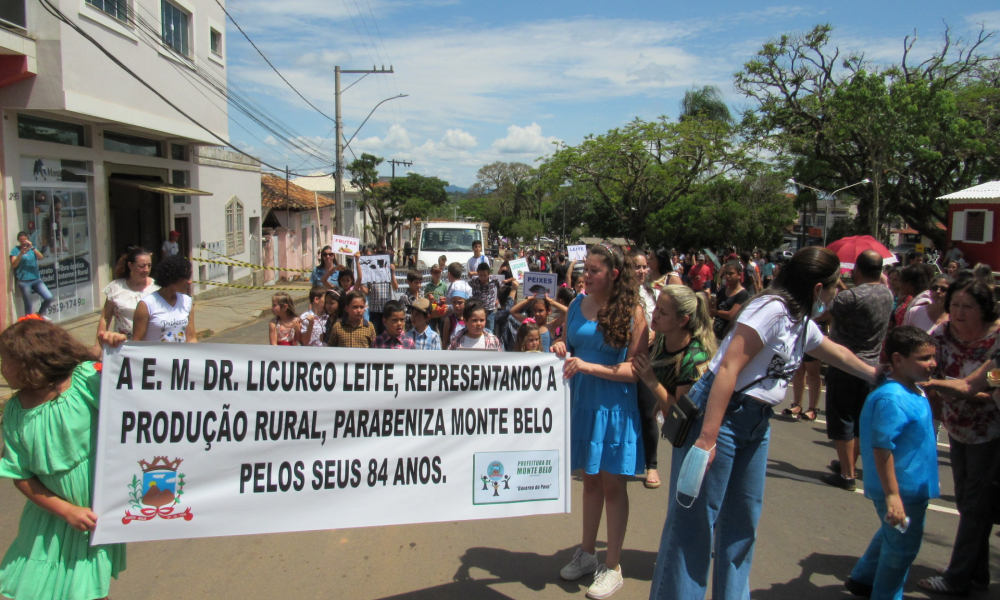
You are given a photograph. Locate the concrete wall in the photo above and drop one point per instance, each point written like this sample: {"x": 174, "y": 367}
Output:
{"x": 75, "y": 76}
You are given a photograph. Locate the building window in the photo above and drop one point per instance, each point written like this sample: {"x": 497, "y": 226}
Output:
{"x": 215, "y": 37}
{"x": 46, "y": 130}
{"x": 116, "y": 8}
{"x": 130, "y": 144}
{"x": 234, "y": 227}
{"x": 13, "y": 14}
{"x": 175, "y": 28}
{"x": 975, "y": 225}
{"x": 180, "y": 179}
{"x": 178, "y": 151}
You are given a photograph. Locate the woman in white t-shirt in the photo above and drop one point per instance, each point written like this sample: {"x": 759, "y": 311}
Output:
{"x": 167, "y": 315}
{"x": 747, "y": 378}
{"x": 132, "y": 283}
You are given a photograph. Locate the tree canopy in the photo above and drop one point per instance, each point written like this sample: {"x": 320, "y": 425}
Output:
{"x": 917, "y": 131}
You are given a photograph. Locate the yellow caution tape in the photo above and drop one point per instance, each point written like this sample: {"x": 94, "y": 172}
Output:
{"x": 252, "y": 287}
{"x": 239, "y": 263}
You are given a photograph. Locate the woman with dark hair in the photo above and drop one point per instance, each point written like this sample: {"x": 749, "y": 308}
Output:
{"x": 970, "y": 338}
{"x": 927, "y": 316}
{"x": 912, "y": 283}
{"x": 747, "y": 377}
{"x": 132, "y": 283}
{"x": 167, "y": 315}
{"x": 605, "y": 330}
{"x": 661, "y": 269}
{"x": 325, "y": 272}
{"x": 24, "y": 262}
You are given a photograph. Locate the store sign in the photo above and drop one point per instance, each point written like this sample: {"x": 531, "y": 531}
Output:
{"x": 201, "y": 440}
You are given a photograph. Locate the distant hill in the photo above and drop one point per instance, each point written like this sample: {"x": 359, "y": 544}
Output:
{"x": 454, "y": 188}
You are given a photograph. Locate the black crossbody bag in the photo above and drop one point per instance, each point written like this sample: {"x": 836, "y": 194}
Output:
{"x": 683, "y": 413}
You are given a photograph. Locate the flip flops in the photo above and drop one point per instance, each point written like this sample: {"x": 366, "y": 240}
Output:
{"x": 791, "y": 412}
{"x": 808, "y": 415}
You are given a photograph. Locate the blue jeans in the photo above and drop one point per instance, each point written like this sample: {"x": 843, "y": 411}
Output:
{"x": 729, "y": 506}
{"x": 38, "y": 286}
{"x": 886, "y": 562}
{"x": 491, "y": 321}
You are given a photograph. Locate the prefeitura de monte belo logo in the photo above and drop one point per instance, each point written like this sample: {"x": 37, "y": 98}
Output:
{"x": 158, "y": 493}
{"x": 495, "y": 476}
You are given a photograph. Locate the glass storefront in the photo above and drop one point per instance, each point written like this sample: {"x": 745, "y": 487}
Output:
{"x": 55, "y": 212}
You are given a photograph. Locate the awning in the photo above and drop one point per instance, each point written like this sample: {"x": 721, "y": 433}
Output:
{"x": 78, "y": 171}
{"x": 161, "y": 188}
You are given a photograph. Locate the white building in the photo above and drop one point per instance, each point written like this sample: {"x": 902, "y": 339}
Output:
{"x": 92, "y": 161}
{"x": 327, "y": 186}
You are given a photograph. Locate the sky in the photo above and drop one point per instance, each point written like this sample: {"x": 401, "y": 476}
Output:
{"x": 504, "y": 81}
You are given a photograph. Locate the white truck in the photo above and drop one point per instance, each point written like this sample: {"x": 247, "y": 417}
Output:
{"x": 452, "y": 239}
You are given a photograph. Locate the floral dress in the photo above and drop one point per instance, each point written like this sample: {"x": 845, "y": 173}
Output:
{"x": 968, "y": 421}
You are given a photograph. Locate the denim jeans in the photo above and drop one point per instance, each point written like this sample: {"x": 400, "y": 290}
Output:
{"x": 491, "y": 321}
{"x": 38, "y": 286}
{"x": 729, "y": 505}
{"x": 886, "y": 562}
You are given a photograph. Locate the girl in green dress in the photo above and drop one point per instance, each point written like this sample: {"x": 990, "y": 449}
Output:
{"x": 50, "y": 435}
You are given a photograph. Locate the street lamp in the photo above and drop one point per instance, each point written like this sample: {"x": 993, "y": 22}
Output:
{"x": 832, "y": 196}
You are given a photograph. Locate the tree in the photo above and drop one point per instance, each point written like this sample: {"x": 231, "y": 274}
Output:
{"x": 705, "y": 102}
{"x": 753, "y": 212}
{"x": 389, "y": 204}
{"x": 916, "y": 131}
{"x": 633, "y": 172}
{"x": 504, "y": 185}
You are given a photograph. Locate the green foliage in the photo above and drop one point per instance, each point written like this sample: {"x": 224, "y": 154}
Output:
{"x": 916, "y": 131}
{"x": 633, "y": 172}
{"x": 748, "y": 213}
{"x": 388, "y": 205}
{"x": 705, "y": 102}
{"x": 135, "y": 495}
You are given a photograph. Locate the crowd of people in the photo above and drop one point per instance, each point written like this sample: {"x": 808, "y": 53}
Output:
{"x": 642, "y": 333}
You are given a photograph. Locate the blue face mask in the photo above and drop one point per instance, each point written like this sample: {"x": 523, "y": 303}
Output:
{"x": 692, "y": 473}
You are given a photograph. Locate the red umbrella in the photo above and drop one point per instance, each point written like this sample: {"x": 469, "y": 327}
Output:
{"x": 847, "y": 250}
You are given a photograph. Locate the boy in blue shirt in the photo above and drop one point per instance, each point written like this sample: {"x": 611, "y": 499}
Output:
{"x": 897, "y": 437}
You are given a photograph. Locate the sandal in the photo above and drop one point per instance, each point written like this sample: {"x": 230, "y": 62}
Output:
{"x": 651, "y": 484}
{"x": 791, "y": 412}
{"x": 939, "y": 585}
{"x": 805, "y": 415}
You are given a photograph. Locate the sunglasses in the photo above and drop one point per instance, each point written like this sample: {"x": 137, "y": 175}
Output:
{"x": 939, "y": 288}
{"x": 327, "y": 254}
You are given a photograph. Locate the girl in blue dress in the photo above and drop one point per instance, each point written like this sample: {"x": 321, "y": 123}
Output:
{"x": 604, "y": 331}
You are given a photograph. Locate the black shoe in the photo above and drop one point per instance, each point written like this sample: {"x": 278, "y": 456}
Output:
{"x": 834, "y": 466}
{"x": 840, "y": 482}
{"x": 857, "y": 588}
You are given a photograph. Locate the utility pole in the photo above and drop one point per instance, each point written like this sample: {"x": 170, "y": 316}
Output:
{"x": 339, "y": 175}
{"x": 401, "y": 163}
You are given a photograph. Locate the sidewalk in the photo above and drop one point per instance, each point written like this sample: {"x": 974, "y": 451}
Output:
{"x": 210, "y": 316}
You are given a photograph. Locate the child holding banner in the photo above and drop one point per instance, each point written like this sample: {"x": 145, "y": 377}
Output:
{"x": 604, "y": 332}
{"x": 49, "y": 428}
{"x": 353, "y": 331}
{"x": 528, "y": 338}
{"x": 475, "y": 336}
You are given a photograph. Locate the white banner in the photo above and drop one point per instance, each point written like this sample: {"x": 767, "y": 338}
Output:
{"x": 201, "y": 440}
{"x": 375, "y": 269}
{"x": 577, "y": 252}
{"x": 518, "y": 268}
{"x": 346, "y": 245}
{"x": 539, "y": 284}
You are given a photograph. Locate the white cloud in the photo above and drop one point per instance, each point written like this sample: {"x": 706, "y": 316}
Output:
{"x": 525, "y": 140}
{"x": 458, "y": 139}
{"x": 990, "y": 19}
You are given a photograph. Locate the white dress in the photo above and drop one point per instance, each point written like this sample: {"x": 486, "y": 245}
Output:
{"x": 167, "y": 323}
{"x": 124, "y": 299}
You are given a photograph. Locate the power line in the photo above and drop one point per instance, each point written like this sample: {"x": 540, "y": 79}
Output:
{"x": 275, "y": 69}
{"x": 58, "y": 14}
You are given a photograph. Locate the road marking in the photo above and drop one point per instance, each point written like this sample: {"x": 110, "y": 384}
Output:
{"x": 935, "y": 507}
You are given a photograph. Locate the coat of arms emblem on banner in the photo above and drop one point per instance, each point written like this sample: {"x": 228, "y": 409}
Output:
{"x": 158, "y": 493}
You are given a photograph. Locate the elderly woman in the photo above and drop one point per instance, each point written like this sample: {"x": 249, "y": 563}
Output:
{"x": 131, "y": 284}
{"x": 970, "y": 338}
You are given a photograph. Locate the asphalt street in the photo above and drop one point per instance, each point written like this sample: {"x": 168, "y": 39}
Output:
{"x": 809, "y": 538}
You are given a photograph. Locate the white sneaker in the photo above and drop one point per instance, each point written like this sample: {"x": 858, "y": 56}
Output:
{"x": 606, "y": 582}
{"x": 581, "y": 564}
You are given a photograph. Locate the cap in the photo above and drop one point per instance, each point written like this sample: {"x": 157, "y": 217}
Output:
{"x": 177, "y": 233}
{"x": 701, "y": 257}
{"x": 459, "y": 292}
{"x": 423, "y": 305}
